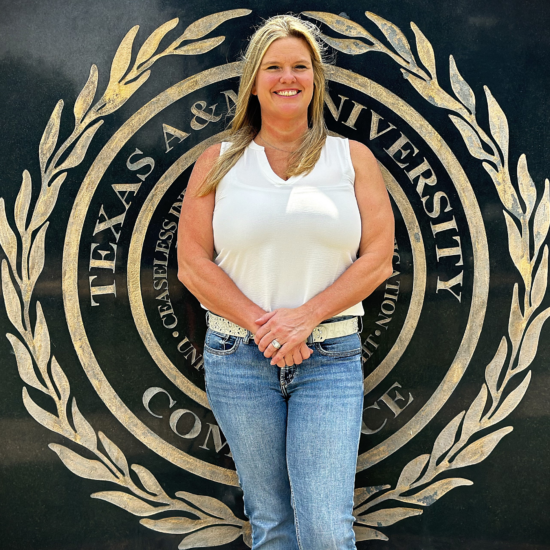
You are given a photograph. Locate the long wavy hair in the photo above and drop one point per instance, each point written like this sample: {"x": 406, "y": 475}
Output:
{"x": 247, "y": 121}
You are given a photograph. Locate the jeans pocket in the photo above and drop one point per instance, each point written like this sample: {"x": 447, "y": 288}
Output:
{"x": 344, "y": 346}
{"x": 220, "y": 344}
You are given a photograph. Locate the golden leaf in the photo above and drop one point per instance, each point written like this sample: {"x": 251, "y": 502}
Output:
{"x": 82, "y": 467}
{"x": 445, "y": 440}
{"x": 531, "y": 341}
{"x": 8, "y": 241}
{"x": 340, "y": 24}
{"x": 11, "y": 299}
{"x": 122, "y": 58}
{"x": 471, "y": 139}
{"x": 461, "y": 88}
{"x": 511, "y": 402}
{"x": 37, "y": 256}
{"x": 394, "y": 35}
{"x": 384, "y": 518}
{"x": 41, "y": 341}
{"x": 363, "y": 493}
{"x": 210, "y": 505}
{"x": 152, "y": 43}
{"x": 129, "y": 503}
{"x": 196, "y": 48}
{"x": 498, "y": 124}
{"x": 211, "y": 536}
{"x": 174, "y": 526}
{"x": 114, "y": 453}
{"x": 84, "y": 430}
{"x": 25, "y": 364}
{"x": 79, "y": 151}
{"x": 349, "y": 46}
{"x": 479, "y": 450}
{"x": 542, "y": 219}
{"x": 49, "y": 137}
{"x": 434, "y": 492}
{"x": 515, "y": 243}
{"x": 526, "y": 185}
{"x": 494, "y": 368}
{"x": 364, "y": 533}
{"x": 515, "y": 323}
{"x": 203, "y": 26}
{"x": 411, "y": 472}
{"x": 43, "y": 417}
{"x": 505, "y": 189}
{"x": 86, "y": 96}
{"x": 46, "y": 202}
{"x": 541, "y": 281}
{"x": 22, "y": 203}
{"x": 61, "y": 382}
{"x": 148, "y": 479}
{"x": 473, "y": 416}
{"x": 432, "y": 93}
{"x": 122, "y": 93}
{"x": 425, "y": 51}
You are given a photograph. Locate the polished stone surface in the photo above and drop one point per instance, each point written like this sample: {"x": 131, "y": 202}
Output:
{"x": 133, "y": 360}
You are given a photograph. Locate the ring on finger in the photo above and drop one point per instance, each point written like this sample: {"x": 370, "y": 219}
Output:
{"x": 276, "y": 344}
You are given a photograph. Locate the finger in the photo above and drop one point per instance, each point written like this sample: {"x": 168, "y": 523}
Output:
{"x": 306, "y": 351}
{"x": 297, "y": 355}
{"x": 265, "y": 317}
{"x": 270, "y": 351}
{"x": 281, "y": 364}
{"x": 285, "y": 350}
{"x": 260, "y": 335}
{"x": 263, "y": 330}
{"x": 289, "y": 360}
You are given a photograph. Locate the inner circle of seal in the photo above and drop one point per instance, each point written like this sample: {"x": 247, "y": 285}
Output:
{"x": 109, "y": 152}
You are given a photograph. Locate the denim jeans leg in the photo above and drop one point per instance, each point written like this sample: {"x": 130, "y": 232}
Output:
{"x": 324, "y": 427}
{"x": 245, "y": 396}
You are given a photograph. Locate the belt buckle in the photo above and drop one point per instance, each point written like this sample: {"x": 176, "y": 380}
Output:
{"x": 320, "y": 333}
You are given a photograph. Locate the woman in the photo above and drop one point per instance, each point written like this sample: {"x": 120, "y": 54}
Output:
{"x": 284, "y": 231}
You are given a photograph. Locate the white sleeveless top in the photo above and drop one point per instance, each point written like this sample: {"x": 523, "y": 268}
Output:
{"x": 283, "y": 242}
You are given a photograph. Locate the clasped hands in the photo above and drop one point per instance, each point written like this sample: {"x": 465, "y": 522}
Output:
{"x": 291, "y": 328}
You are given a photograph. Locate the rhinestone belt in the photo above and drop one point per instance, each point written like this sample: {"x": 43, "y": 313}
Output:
{"x": 320, "y": 333}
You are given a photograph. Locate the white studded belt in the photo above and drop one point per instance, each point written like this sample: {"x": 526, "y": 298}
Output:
{"x": 320, "y": 333}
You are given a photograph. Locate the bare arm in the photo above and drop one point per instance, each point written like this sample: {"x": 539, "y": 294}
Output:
{"x": 196, "y": 268}
{"x": 372, "y": 267}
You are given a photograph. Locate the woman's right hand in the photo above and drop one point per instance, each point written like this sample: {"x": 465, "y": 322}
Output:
{"x": 297, "y": 356}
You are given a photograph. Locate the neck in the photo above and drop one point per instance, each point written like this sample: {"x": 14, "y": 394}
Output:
{"x": 283, "y": 133}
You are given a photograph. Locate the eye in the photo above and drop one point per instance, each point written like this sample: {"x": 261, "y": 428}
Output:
{"x": 271, "y": 67}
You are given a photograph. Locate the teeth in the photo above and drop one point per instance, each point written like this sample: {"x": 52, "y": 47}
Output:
{"x": 287, "y": 92}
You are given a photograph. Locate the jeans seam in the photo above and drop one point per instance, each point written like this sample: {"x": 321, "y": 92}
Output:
{"x": 296, "y": 524}
{"x": 337, "y": 354}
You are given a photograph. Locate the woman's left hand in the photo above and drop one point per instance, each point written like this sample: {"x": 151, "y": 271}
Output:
{"x": 290, "y": 327}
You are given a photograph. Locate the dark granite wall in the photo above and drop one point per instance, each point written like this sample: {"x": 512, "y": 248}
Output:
{"x": 46, "y": 51}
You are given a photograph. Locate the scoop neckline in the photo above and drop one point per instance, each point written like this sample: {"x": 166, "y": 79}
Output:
{"x": 268, "y": 171}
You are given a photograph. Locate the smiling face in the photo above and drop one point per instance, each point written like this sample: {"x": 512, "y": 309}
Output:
{"x": 284, "y": 82}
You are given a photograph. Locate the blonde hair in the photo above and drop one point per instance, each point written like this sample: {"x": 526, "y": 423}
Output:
{"x": 247, "y": 120}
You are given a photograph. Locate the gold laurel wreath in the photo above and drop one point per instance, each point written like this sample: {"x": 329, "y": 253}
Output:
{"x": 416, "y": 485}
{"x": 208, "y": 522}
{"x": 215, "y": 523}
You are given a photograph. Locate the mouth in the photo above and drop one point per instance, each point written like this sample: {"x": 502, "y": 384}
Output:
{"x": 287, "y": 93}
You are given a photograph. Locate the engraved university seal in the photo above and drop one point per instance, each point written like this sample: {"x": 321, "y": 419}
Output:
{"x": 119, "y": 269}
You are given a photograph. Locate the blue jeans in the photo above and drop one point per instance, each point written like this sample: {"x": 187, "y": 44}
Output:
{"x": 294, "y": 435}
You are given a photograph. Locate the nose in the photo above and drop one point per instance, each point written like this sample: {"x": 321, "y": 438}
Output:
{"x": 287, "y": 76}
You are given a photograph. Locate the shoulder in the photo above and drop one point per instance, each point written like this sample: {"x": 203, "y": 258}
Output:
{"x": 208, "y": 157}
{"x": 368, "y": 177}
{"x": 361, "y": 155}
{"x": 202, "y": 167}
